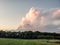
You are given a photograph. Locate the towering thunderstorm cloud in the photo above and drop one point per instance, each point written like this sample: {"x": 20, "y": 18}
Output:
{"x": 32, "y": 21}
{"x": 36, "y": 20}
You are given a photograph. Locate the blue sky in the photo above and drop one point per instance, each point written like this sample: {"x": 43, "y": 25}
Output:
{"x": 11, "y": 11}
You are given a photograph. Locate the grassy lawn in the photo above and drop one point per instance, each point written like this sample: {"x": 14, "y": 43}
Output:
{"x": 6, "y": 41}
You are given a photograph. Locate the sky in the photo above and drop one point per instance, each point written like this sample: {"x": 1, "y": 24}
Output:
{"x": 12, "y": 11}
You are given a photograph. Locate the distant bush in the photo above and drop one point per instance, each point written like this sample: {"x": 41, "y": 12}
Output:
{"x": 29, "y": 35}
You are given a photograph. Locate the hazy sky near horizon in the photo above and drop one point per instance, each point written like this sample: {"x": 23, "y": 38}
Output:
{"x": 11, "y": 11}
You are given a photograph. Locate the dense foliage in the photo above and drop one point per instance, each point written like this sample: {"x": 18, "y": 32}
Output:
{"x": 29, "y": 35}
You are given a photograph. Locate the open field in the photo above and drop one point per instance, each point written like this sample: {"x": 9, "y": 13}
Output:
{"x": 6, "y": 41}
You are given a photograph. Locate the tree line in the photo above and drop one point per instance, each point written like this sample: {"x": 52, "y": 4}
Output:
{"x": 29, "y": 35}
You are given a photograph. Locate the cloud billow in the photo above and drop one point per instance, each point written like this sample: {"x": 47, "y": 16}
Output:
{"x": 36, "y": 20}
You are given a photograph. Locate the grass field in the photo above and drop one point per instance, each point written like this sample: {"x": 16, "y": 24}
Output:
{"x": 6, "y": 41}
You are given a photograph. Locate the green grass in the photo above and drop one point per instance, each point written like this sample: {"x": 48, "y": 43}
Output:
{"x": 6, "y": 41}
